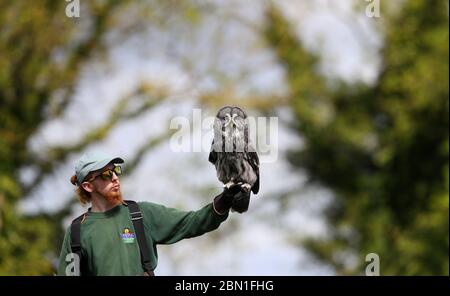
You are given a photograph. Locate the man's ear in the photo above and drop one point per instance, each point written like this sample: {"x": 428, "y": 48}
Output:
{"x": 87, "y": 186}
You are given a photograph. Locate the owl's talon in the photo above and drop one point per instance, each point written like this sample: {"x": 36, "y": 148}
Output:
{"x": 246, "y": 187}
{"x": 229, "y": 184}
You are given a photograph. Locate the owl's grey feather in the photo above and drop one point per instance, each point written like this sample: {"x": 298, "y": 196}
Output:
{"x": 234, "y": 157}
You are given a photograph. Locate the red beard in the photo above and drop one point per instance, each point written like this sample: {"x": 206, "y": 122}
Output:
{"x": 114, "y": 197}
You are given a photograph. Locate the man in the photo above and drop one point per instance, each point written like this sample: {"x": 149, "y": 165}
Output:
{"x": 108, "y": 237}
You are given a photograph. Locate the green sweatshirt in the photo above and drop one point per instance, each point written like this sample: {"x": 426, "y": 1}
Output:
{"x": 110, "y": 245}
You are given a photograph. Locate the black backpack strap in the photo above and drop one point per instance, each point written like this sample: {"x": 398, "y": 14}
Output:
{"x": 75, "y": 237}
{"x": 136, "y": 218}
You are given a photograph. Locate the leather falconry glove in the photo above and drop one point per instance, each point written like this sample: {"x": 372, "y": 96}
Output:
{"x": 223, "y": 202}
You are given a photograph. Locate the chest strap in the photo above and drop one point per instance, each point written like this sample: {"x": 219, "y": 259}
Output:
{"x": 136, "y": 218}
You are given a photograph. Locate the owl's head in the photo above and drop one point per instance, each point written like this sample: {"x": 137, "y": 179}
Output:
{"x": 232, "y": 116}
{"x": 230, "y": 130}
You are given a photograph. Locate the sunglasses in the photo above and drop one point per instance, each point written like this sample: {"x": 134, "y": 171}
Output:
{"x": 108, "y": 174}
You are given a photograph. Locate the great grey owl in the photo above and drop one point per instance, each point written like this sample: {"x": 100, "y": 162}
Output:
{"x": 234, "y": 157}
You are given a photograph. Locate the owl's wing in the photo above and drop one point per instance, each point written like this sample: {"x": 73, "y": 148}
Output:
{"x": 254, "y": 162}
{"x": 212, "y": 155}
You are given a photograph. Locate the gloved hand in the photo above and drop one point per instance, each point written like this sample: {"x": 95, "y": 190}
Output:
{"x": 223, "y": 202}
{"x": 241, "y": 200}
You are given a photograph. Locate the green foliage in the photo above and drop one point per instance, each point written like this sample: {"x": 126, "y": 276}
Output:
{"x": 40, "y": 55}
{"x": 25, "y": 81}
{"x": 383, "y": 149}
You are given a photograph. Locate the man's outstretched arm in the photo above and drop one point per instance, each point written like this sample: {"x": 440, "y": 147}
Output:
{"x": 169, "y": 225}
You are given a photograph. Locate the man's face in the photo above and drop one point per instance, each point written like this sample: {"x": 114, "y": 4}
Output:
{"x": 109, "y": 188}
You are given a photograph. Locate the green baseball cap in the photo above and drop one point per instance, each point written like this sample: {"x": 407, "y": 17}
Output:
{"x": 93, "y": 161}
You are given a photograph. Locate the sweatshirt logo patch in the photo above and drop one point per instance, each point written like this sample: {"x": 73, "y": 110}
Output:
{"x": 127, "y": 236}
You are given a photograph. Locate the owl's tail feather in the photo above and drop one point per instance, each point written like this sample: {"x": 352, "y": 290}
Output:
{"x": 241, "y": 201}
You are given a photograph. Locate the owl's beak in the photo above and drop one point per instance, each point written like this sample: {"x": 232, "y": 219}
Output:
{"x": 228, "y": 119}
{"x": 232, "y": 119}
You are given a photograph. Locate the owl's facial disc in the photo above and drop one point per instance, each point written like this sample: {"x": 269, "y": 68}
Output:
{"x": 234, "y": 122}
{"x": 228, "y": 119}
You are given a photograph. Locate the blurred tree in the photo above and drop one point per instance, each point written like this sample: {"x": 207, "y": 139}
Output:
{"x": 382, "y": 148}
{"x": 42, "y": 53}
